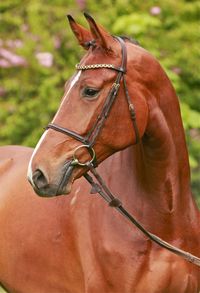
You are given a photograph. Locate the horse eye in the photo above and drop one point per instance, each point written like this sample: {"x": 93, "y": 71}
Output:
{"x": 90, "y": 92}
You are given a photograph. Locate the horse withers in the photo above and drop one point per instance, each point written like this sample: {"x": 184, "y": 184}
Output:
{"x": 76, "y": 243}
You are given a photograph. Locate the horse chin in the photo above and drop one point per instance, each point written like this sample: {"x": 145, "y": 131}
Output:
{"x": 49, "y": 191}
{"x": 65, "y": 190}
{"x": 66, "y": 181}
{"x": 54, "y": 190}
{"x": 69, "y": 176}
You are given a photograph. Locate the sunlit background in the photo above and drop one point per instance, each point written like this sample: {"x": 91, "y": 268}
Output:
{"x": 38, "y": 53}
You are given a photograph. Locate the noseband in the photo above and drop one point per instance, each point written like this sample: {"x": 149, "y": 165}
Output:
{"x": 89, "y": 140}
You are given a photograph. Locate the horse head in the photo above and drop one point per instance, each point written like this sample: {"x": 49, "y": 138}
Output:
{"x": 94, "y": 111}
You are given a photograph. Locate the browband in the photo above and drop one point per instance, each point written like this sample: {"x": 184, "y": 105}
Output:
{"x": 98, "y": 66}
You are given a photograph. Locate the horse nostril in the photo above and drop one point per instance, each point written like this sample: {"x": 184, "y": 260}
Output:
{"x": 39, "y": 179}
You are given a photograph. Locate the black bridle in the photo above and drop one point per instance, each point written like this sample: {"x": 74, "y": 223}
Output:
{"x": 89, "y": 140}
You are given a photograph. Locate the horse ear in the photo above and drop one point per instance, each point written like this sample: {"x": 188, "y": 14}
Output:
{"x": 101, "y": 36}
{"x": 83, "y": 35}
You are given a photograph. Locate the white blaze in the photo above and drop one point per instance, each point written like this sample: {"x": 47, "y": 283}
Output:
{"x": 73, "y": 82}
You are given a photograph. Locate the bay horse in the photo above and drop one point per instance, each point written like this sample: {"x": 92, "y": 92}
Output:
{"x": 75, "y": 243}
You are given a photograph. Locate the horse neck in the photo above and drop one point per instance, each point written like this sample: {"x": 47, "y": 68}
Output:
{"x": 164, "y": 152}
{"x": 160, "y": 185}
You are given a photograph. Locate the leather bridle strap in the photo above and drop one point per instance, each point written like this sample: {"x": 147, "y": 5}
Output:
{"x": 101, "y": 188}
{"x": 68, "y": 132}
{"x": 93, "y": 134}
{"x": 130, "y": 104}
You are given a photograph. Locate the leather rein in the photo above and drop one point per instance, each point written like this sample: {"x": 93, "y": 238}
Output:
{"x": 88, "y": 141}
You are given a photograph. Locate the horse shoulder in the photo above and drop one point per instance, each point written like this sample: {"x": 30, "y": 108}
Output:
{"x": 12, "y": 155}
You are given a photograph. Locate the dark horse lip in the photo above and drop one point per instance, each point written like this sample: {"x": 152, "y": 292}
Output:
{"x": 67, "y": 172}
{"x": 48, "y": 191}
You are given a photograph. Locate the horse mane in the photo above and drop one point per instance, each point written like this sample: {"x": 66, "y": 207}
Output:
{"x": 130, "y": 39}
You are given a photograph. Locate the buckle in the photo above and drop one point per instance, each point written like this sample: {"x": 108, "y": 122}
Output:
{"x": 75, "y": 161}
{"x": 116, "y": 86}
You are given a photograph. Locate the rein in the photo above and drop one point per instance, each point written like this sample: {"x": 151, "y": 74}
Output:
{"x": 89, "y": 140}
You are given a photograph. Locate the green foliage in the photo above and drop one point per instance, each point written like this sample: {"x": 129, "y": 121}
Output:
{"x": 30, "y": 92}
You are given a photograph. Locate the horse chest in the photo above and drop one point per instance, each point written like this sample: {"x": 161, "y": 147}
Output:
{"x": 141, "y": 270}
{"x": 128, "y": 262}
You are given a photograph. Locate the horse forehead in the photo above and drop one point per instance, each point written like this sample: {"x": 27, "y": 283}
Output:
{"x": 99, "y": 55}
{"x": 97, "y": 77}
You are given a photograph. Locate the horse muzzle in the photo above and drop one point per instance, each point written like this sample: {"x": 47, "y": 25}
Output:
{"x": 62, "y": 185}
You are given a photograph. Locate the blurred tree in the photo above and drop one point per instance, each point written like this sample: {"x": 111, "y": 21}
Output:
{"x": 38, "y": 54}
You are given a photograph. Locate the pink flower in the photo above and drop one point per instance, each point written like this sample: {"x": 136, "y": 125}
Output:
{"x": 57, "y": 42}
{"x": 4, "y": 63}
{"x": 14, "y": 43}
{"x": 45, "y": 59}
{"x": 2, "y": 92}
{"x": 155, "y": 10}
{"x": 24, "y": 27}
{"x": 177, "y": 70}
{"x": 11, "y": 58}
{"x": 81, "y": 4}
